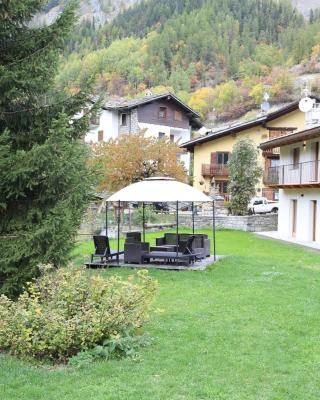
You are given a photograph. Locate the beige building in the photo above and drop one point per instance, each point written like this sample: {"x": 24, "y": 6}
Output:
{"x": 210, "y": 153}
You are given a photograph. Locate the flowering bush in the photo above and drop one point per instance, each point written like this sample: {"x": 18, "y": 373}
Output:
{"x": 65, "y": 312}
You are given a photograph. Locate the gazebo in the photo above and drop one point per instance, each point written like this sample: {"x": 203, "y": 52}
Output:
{"x": 164, "y": 190}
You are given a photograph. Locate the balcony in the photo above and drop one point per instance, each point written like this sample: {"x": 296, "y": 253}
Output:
{"x": 271, "y": 152}
{"x": 300, "y": 175}
{"x": 215, "y": 170}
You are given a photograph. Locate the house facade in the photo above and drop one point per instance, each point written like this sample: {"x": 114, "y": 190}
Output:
{"x": 210, "y": 153}
{"x": 159, "y": 116}
{"x": 297, "y": 177}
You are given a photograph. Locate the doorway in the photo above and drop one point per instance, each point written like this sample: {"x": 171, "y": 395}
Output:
{"x": 314, "y": 207}
{"x": 294, "y": 218}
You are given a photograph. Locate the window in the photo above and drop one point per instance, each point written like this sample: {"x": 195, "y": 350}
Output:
{"x": 163, "y": 112}
{"x": 223, "y": 158}
{"x": 172, "y": 138}
{"x": 257, "y": 202}
{"x": 274, "y": 162}
{"x": 100, "y": 136}
{"x": 296, "y": 157}
{"x": 294, "y": 209}
{"x": 178, "y": 116}
{"x": 223, "y": 187}
{"x": 161, "y": 135}
{"x": 123, "y": 119}
{"x": 95, "y": 120}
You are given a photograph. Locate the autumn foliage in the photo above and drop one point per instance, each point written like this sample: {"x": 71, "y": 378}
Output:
{"x": 131, "y": 158}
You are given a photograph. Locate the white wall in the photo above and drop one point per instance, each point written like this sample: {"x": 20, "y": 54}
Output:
{"x": 305, "y": 152}
{"x": 304, "y": 213}
{"x": 180, "y": 136}
{"x": 109, "y": 124}
{"x": 304, "y": 197}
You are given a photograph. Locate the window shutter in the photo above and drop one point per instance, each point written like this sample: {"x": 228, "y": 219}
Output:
{"x": 100, "y": 136}
{"x": 214, "y": 158}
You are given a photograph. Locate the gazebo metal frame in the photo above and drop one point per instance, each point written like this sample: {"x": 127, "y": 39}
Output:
{"x": 177, "y": 223}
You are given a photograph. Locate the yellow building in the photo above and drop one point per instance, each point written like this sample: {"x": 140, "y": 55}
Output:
{"x": 211, "y": 152}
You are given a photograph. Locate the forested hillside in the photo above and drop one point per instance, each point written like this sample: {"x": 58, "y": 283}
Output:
{"x": 215, "y": 54}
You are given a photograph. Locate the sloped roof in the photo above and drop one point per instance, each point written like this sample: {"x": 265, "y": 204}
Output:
{"x": 123, "y": 104}
{"x": 243, "y": 126}
{"x": 291, "y": 138}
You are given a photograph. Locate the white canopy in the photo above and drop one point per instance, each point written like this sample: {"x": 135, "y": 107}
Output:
{"x": 159, "y": 189}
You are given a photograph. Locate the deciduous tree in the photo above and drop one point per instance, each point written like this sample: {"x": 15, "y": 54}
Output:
{"x": 132, "y": 158}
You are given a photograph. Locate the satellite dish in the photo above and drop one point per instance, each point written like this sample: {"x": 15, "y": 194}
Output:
{"x": 306, "y": 104}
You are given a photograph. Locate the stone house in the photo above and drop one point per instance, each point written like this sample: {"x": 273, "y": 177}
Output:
{"x": 160, "y": 115}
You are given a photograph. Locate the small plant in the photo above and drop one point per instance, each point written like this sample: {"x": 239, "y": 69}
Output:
{"x": 66, "y": 312}
{"x": 118, "y": 347}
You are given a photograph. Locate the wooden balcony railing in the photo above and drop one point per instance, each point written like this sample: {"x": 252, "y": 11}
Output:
{"x": 303, "y": 174}
{"x": 270, "y": 152}
{"x": 215, "y": 170}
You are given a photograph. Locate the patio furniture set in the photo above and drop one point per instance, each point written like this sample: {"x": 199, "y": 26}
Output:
{"x": 171, "y": 248}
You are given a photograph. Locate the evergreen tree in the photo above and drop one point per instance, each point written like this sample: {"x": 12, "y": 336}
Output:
{"x": 244, "y": 175}
{"x": 44, "y": 182}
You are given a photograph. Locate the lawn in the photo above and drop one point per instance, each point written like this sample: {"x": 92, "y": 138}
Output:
{"x": 247, "y": 328}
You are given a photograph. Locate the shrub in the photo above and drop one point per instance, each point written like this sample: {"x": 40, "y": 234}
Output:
{"x": 65, "y": 312}
{"x": 149, "y": 215}
{"x": 245, "y": 174}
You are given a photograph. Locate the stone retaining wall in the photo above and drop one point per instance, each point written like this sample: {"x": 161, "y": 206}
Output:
{"x": 94, "y": 223}
{"x": 249, "y": 223}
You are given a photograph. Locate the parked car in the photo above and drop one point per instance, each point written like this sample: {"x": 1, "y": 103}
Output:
{"x": 161, "y": 207}
{"x": 158, "y": 207}
{"x": 260, "y": 205}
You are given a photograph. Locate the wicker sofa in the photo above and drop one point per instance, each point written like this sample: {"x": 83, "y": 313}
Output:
{"x": 201, "y": 243}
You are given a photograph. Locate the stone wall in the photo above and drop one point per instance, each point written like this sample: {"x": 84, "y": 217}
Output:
{"x": 134, "y": 121}
{"x": 249, "y": 223}
{"x": 94, "y": 222}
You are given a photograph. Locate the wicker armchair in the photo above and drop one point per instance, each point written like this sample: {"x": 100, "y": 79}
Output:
{"x": 134, "y": 251}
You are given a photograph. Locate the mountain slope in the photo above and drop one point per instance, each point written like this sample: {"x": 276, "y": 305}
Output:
{"x": 214, "y": 54}
{"x": 208, "y": 38}
{"x": 101, "y": 11}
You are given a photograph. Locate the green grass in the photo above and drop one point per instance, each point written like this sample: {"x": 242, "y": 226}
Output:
{"x": 247, "y": 328}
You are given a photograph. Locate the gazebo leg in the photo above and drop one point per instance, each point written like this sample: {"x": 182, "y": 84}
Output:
{"x": 214, "y": 230}
{"x": 177, "y": 230}
{"x": 192, "y": 207}
{"x": 107, "y": 205}
{"x": 118, "y": 238}
{"x": 143, "y": 222}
